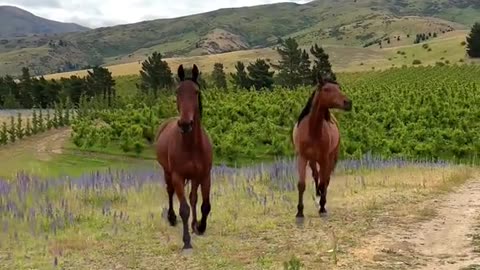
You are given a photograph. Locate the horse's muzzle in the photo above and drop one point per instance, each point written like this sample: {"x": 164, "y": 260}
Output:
{"x": 347, "y": 105}
{"x": 185, "y": 127}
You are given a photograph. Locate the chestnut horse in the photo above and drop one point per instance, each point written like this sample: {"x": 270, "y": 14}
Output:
{"x": 185, "y": 152}
{"x": 317, "y": 140}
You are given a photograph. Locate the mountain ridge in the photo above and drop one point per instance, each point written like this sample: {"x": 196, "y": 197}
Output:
{"x": 343, "y": 22}
{"x": 17, "y": 22}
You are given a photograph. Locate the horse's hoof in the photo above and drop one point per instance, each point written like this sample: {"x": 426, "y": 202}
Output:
{"x": 300, "y": 221}
{"x": 201, "y": 229}
{"x": 187, "y": 251}
{"x": 197, "y": 231}
{"x": 187, "y": 246}
{"x": 323, "y": 212}
{"x": 172, "y": 220}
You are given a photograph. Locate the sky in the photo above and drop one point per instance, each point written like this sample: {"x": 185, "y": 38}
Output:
{"x": 98, "y": 13}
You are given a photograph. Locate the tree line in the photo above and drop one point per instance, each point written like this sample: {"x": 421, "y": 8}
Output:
{"x": 295, "y": 68}
{"x": 32, "y": 92}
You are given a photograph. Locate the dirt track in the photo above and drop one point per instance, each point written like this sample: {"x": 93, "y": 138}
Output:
{"x": 444, "y": 242}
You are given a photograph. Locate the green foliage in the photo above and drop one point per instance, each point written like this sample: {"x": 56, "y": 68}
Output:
{"x": 4, "y": 134}
{"x": 12, "y": 130}
{"x": 20, "y": 132}
{"x": 293, "y": 264}
{"x": 28, "y": 128}
{"x": 35, "y": 122}
{"x": 473, "y": 41}
{"x": 49, "y": 122}
{"x": 41, "y": 122}
{"x": 439, "y": 119}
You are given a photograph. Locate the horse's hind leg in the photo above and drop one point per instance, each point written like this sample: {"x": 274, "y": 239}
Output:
{"x": 313, "y": 167}
{"x": 302, "y": 166}
{"x": 206, "y": 207}
{"x": 325, "y": 171}
{"x": 172, "y": 218}
{"x": 178, "y": 184}
{"x": 193, "y": 204}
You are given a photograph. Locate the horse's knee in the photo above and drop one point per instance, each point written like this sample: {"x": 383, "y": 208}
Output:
{"x": 301, "y": 186}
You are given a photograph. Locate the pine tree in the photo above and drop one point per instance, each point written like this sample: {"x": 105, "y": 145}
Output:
{"x": 240, "y": 78}
{"x": 321, "y": 64}
{"x": 304, "y": 69}
{"x": 218, "y": 76}
{"x": 100, "y": 82}
{"x": 473, "y": 41}
{"x": 155, "y": 74}
{"x": 259, "y": 74}
{"x": 289, "y": 64}
{"x": 25, "y": 91}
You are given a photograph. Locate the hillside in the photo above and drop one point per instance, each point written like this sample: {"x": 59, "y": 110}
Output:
{"x": 343, "y": 23}
{"x": 15, "y": 22}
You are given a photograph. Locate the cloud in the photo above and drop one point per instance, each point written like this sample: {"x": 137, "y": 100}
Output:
{"x": 94, "y": 13}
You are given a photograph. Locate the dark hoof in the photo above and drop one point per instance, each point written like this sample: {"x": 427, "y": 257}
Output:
{"x": 323, "y": 212}
{"x": 172, "y": 219}
{"x": 201, "y": 229}
{"x": 187, "y": 246}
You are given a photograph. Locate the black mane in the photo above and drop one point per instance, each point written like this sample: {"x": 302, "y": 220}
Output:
{"x": 308, "y": 106}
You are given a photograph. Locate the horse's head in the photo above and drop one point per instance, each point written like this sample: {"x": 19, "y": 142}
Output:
{"x": 329, "y": 95}
{"x": 188, "y": 99}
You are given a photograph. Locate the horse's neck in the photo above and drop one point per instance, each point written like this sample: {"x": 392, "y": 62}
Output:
{"x": 315, "y": 124}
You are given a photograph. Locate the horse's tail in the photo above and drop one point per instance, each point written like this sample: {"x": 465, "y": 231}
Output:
{"x": 163, "y": 126}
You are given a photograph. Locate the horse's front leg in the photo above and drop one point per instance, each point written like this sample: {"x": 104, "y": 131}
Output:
{"x": 325, "y": 171}
{"x": 178, "y": 184}
{"x": 206, "y": 207}
{"x": 172, "y": 218}
{"x": 302, "y": 165}
{"x": 193, "y": 204}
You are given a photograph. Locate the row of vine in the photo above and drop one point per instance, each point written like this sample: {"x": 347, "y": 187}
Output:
{"x": 422, "y": 112}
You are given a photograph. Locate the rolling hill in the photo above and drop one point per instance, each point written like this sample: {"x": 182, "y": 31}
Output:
{"x": 343, "y": 23}
{"x": 16, "y": 22}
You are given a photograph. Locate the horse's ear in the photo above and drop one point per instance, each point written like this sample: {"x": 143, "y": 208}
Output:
{"x": 181, "y": 73}
{"x": 195, "y": 73}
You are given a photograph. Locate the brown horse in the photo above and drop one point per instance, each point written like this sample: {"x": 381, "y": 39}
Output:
{"x": 317, "y": 139}
{"x": 185, "y": 153}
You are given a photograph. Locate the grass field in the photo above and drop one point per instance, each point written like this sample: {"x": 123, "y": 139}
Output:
{"x": 72, "y": 211}
{"x": 343, "y": 58}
